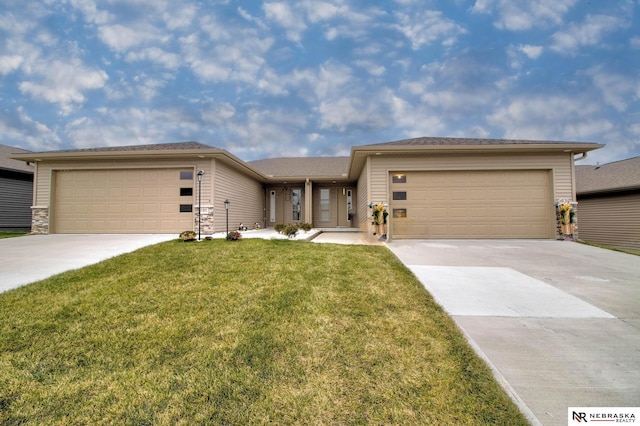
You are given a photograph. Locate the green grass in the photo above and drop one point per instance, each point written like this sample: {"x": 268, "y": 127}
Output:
{"x": 12, "y": 234}
{"x": 608, "y": 247}
{"x": 239, "y": 333}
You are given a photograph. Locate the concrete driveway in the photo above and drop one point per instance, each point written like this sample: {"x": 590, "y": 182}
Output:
{"x": 558, "y": 322}
{"x": 24, "y": 260}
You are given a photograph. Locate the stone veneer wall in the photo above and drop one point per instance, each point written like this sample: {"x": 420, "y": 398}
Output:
{"x": 206, "y": 217}
{"x": 40, "y": 220}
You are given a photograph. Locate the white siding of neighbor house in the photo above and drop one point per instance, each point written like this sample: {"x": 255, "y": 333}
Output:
{"x": 245, "y": 194}
{"x": 610, "y": 219}
{"x": 560, "y": 164}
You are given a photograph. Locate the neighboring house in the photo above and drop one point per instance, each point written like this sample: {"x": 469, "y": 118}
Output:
{"x": 433, "y": 188}
{"x": 609, "y": 203}
{"x": 16, "y": 191}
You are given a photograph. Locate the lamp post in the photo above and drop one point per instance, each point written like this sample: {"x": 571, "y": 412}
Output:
{"x": 200, "y": 173}
{"x": 226, "y": 207}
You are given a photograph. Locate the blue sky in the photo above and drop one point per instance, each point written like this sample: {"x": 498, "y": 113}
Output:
{"x": 315, "y": 77}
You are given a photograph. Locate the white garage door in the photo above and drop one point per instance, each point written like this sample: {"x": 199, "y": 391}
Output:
{"x": 123, "y": 201}
{"x": 472, "y": 204}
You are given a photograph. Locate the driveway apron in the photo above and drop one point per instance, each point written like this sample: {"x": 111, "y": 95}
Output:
{"x": 31, "y": 258}
{"x": 558, "y": 322}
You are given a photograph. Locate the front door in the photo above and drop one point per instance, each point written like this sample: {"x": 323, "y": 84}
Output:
{"x": 345, "y": 207}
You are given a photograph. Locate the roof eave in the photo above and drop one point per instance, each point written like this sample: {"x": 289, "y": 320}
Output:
{"x": 358, "y": 153}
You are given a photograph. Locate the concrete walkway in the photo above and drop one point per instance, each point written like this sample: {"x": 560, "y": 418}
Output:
{"x": 558, "y": 322}
{"x": 31, "y": 258}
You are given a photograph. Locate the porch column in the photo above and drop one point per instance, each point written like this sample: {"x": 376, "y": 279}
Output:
{"x": 308, "y": 202}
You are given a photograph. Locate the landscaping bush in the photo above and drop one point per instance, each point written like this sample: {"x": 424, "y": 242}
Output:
{"x": 306, "y": 227}
{"x": 234, "y": 236}
{"x": 279, "y": 227}
{"x": 188, "y": 236}
{"x": 290, "y": 231}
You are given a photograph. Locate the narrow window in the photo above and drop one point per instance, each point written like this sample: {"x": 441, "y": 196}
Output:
{"x": 186, "y": 208}
{"x": 296, "y": 198}
{"x": 325, "y": 212}
{"x": 186, "y": 174}
{"x": 399, "y": 195}
{"x": 399, "y": 178}
{"x": 399, "y": 213}
{"x": 349, "y": 204}
{"x": 186, "y": 192}
{"x": 272, "y": 207}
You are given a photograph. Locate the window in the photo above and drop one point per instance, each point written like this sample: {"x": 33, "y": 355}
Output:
{"x": 399, "y": 178}
{"x": 186, "y": 174}
{"x": 325, "y": 212}
{"x": 186, "y": 208}
{"x": 400, "y": 195}
{"x": 186, "y": 192}
{"x": 349, "y": 204}
{"x": 272, "y": 207}
{"x": 399, "y": 213}
{"x": 296, "y": 198}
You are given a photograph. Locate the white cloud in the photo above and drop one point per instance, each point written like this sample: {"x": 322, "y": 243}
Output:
{"x": 10, "y": 63}
{"x": 532, "y": 52}
{"x": 550, "y": 118}
{"x": 618, "y": 91}
{"x": 519, "y": 16}
{"x": 63, "y": 83}
{"x": 156, "y": 55}
{"x": 122, "y": 38}
{"x": 284, "y": 15}
{"x": 588, "y": 33}
{"x": 427, "y": 27}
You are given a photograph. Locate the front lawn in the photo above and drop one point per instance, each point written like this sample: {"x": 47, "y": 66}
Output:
{"x": 12, "y": 234}
{"x": 240, "y": 333}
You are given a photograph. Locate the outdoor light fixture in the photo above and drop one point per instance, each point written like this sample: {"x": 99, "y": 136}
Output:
{"x": 227, "y": 203}
{"x": 200, "y": 173}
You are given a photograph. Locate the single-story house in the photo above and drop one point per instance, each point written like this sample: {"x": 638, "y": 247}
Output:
{"x": 16, "y": 191}
{"x": 609, "y": 203}
{"x": 431, "y": 188}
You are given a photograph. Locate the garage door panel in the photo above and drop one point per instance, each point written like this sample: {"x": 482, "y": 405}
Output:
{"x": 475, "y": 204}
{"x": 120, "y": 201}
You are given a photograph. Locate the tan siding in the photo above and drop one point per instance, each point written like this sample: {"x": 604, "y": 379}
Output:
{"x": 363, "y": 199}
{"x": 560, "y": 164}
{"x": 44, "y": 176}
{"x": 245, "y": 194}
{"x": 612, "y": 220}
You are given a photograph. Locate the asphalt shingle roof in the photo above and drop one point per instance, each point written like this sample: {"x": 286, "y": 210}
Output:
{"x": 149, "y": 147}
{"x": 7, "y": 163}
{"x": 302, "y": 166}
{"x": 434, "y": 141}
{"x": 617, "y": 176}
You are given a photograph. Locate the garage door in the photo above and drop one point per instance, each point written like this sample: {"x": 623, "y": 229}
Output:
{"x": 472, "y": 204}
{"x": 123, "y": 201}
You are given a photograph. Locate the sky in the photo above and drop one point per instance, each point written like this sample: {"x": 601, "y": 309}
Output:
{"x": 292, "y": 78}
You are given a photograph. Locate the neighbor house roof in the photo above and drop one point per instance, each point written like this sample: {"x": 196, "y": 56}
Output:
{"x": 7, "y": 163}
{"x": 300, "y": 168}
{"x": 618, "y": 176}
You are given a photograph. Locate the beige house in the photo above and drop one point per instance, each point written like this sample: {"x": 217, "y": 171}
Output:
{"x": 431, "y": 187}
{"x": 609, "y": 203}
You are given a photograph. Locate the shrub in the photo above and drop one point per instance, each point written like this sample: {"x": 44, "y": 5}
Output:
{"x": 279, "y": 227}
{"x": 290, "y": 231}
{"x": 234, "y": 236}
{"x": 306, "y": 227}
{"x": 188, "y": 236}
